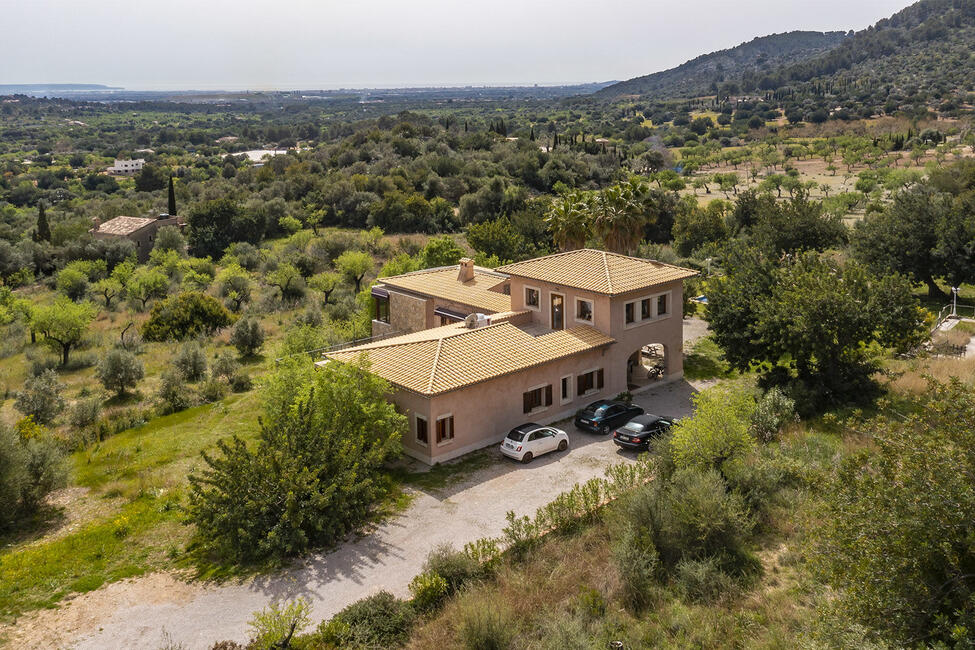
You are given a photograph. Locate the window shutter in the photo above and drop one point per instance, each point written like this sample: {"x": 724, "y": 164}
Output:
{"x": 599, "y": 378}
{"x": 548, "y": 395}
{"x": 527, "y": 402}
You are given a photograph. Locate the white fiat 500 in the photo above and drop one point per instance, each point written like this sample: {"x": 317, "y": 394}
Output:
{"x": 531, "y": 440}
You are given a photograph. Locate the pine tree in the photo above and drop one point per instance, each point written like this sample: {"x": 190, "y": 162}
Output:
{"x": 172, "y": 198}
{"x": 531, "y": 134}
{"x": 43, "y": 228}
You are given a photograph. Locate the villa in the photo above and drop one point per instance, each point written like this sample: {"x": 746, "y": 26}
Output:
{"x": 472, "y": 352}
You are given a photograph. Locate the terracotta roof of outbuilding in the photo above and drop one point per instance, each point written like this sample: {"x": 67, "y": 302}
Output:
{"x": 444, "y": 283}
{"x": 123, "y": 225}
{"x": 446, "y": 358}
{"x": 598, "y": 271}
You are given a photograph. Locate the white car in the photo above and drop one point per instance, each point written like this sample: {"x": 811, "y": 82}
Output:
{"x": 531, "y": 440}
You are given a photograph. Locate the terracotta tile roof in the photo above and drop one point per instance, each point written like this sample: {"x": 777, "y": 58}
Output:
{"x": 124, "y": 225}
{"x": 456, "y": 357}
{"x": 444, "y": 283}
{"x": 598, "y": 271}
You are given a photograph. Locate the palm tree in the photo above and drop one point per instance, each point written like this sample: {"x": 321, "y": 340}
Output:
{"x": 569, "y": 220}
{"x": 620, "y": 218}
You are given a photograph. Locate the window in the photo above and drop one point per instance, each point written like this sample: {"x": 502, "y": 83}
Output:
{"x": 537, "y": 398}
{"x": 421, "y": 430}
{"x": 382, "y": 309}
{"x": 533, "y": 298}
{"x": 651, "y": 308}
{"x": 589, "y": 382}
{"x": 445, "y": 429}
{"x": 445, "y": 321}
{"x": 566, "y": 394}
{"x": 584, "y": 310}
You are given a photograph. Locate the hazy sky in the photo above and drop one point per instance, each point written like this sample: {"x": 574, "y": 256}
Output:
{"x": 245, "y": 44}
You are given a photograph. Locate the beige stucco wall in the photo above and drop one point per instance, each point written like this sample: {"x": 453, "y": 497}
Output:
{"x": 485, "y": 412}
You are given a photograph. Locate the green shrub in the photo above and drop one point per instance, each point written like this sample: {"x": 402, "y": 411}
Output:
{"x": 429, "y": 590}
{"x": 638, "y": 566}
{"x": 191, "y": 362}
{"x": 276, "y": 624}
{"x": 773, "y": 411}
{"x": 240, "y": 382}
{"x": 718, "y": 432}
{"x": 485, "y": 625}
{"x": 691, "y": 516}
{"x": 247, "y": 336}
{"x": 41, "y": 397}
{"x": 173, "y": 396}
{"x": 379, "y": 621}
{"x": 185, "y": 316}
{"x": 213, "y": 390}
{"x": 703, "y": 580}
{"x": 325, "y": 438}
{"x": 457, "y": 568}
{"x": 29, "y": 471}
{"x": 119, "y": 370}
{"x": 84, "y": 412}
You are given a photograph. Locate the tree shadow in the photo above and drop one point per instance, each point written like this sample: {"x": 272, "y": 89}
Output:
{"x": 47, "y": 519}
{"x": 125, "y": 399}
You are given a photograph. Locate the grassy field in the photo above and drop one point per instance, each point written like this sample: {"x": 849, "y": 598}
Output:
{"x": 134, "y": 483}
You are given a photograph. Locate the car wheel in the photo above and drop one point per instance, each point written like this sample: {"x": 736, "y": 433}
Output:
{"x": 563, "y": 445}
{"x": 527, "y": 458}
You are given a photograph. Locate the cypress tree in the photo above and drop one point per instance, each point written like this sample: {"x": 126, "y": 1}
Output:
{"x": 43, "y": 228}
{"x": 172, "y": 198}
{"x": 531, "y": 134}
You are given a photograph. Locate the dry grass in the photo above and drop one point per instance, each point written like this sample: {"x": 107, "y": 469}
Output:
{"x": 909, "y": 377}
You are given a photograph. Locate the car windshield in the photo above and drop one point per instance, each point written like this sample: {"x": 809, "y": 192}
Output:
{"x": 601, "y": 411}
{"x": 517, "y": 435}
{"x": 635, "y": 427}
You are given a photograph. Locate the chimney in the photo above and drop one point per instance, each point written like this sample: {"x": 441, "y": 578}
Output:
{"x": 466, "y": 270}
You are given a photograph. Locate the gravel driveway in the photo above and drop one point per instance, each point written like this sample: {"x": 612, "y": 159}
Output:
{"x": 152, "y": 610}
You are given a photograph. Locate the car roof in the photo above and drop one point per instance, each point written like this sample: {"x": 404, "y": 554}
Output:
{"x": 527, "y": 427}
{"x": 647, "y": 418}
{"x": 599, "y": 402}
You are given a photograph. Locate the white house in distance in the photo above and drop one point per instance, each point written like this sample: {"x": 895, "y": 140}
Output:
{"x": 127, "y": 167}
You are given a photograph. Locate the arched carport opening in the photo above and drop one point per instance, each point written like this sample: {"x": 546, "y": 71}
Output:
{"x": 647, "y": 365}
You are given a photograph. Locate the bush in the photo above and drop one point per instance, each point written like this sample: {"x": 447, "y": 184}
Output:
{"x": 691, "y": 516}
{"x": 119, "y": 421}
{"x": 172, "y": 392}
{"x": 224, "y": 367}
{"x": 274, "y": 626}
{"x": 429, "y": 590}
{"x": 325, "y": 437}
{"x": 29, "y": 471}
{"x": 184, "y": 316}
{"x": 485, "y": 626}
{"x": 84, "y": 412}
{"x": 773, "y": 411}
{"x": 247, "y": 336}
{"x": 191, "y": 362}
{"x": 379, "y": 621}
{"x": 119, "y": 370}
{"x": 41, "y": 397}
{"x": 718, "y": 432}
{"x": 213, "y": 390}
{"x": 703, "y": 580}
{"x": 638, "y": 565}
{"x": 457, "y": 568}
{"x": 240, "y": 382}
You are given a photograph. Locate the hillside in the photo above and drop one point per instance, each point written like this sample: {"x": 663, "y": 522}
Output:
{"x": 702, "y": 75}
{"x": 919, "y": 58}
